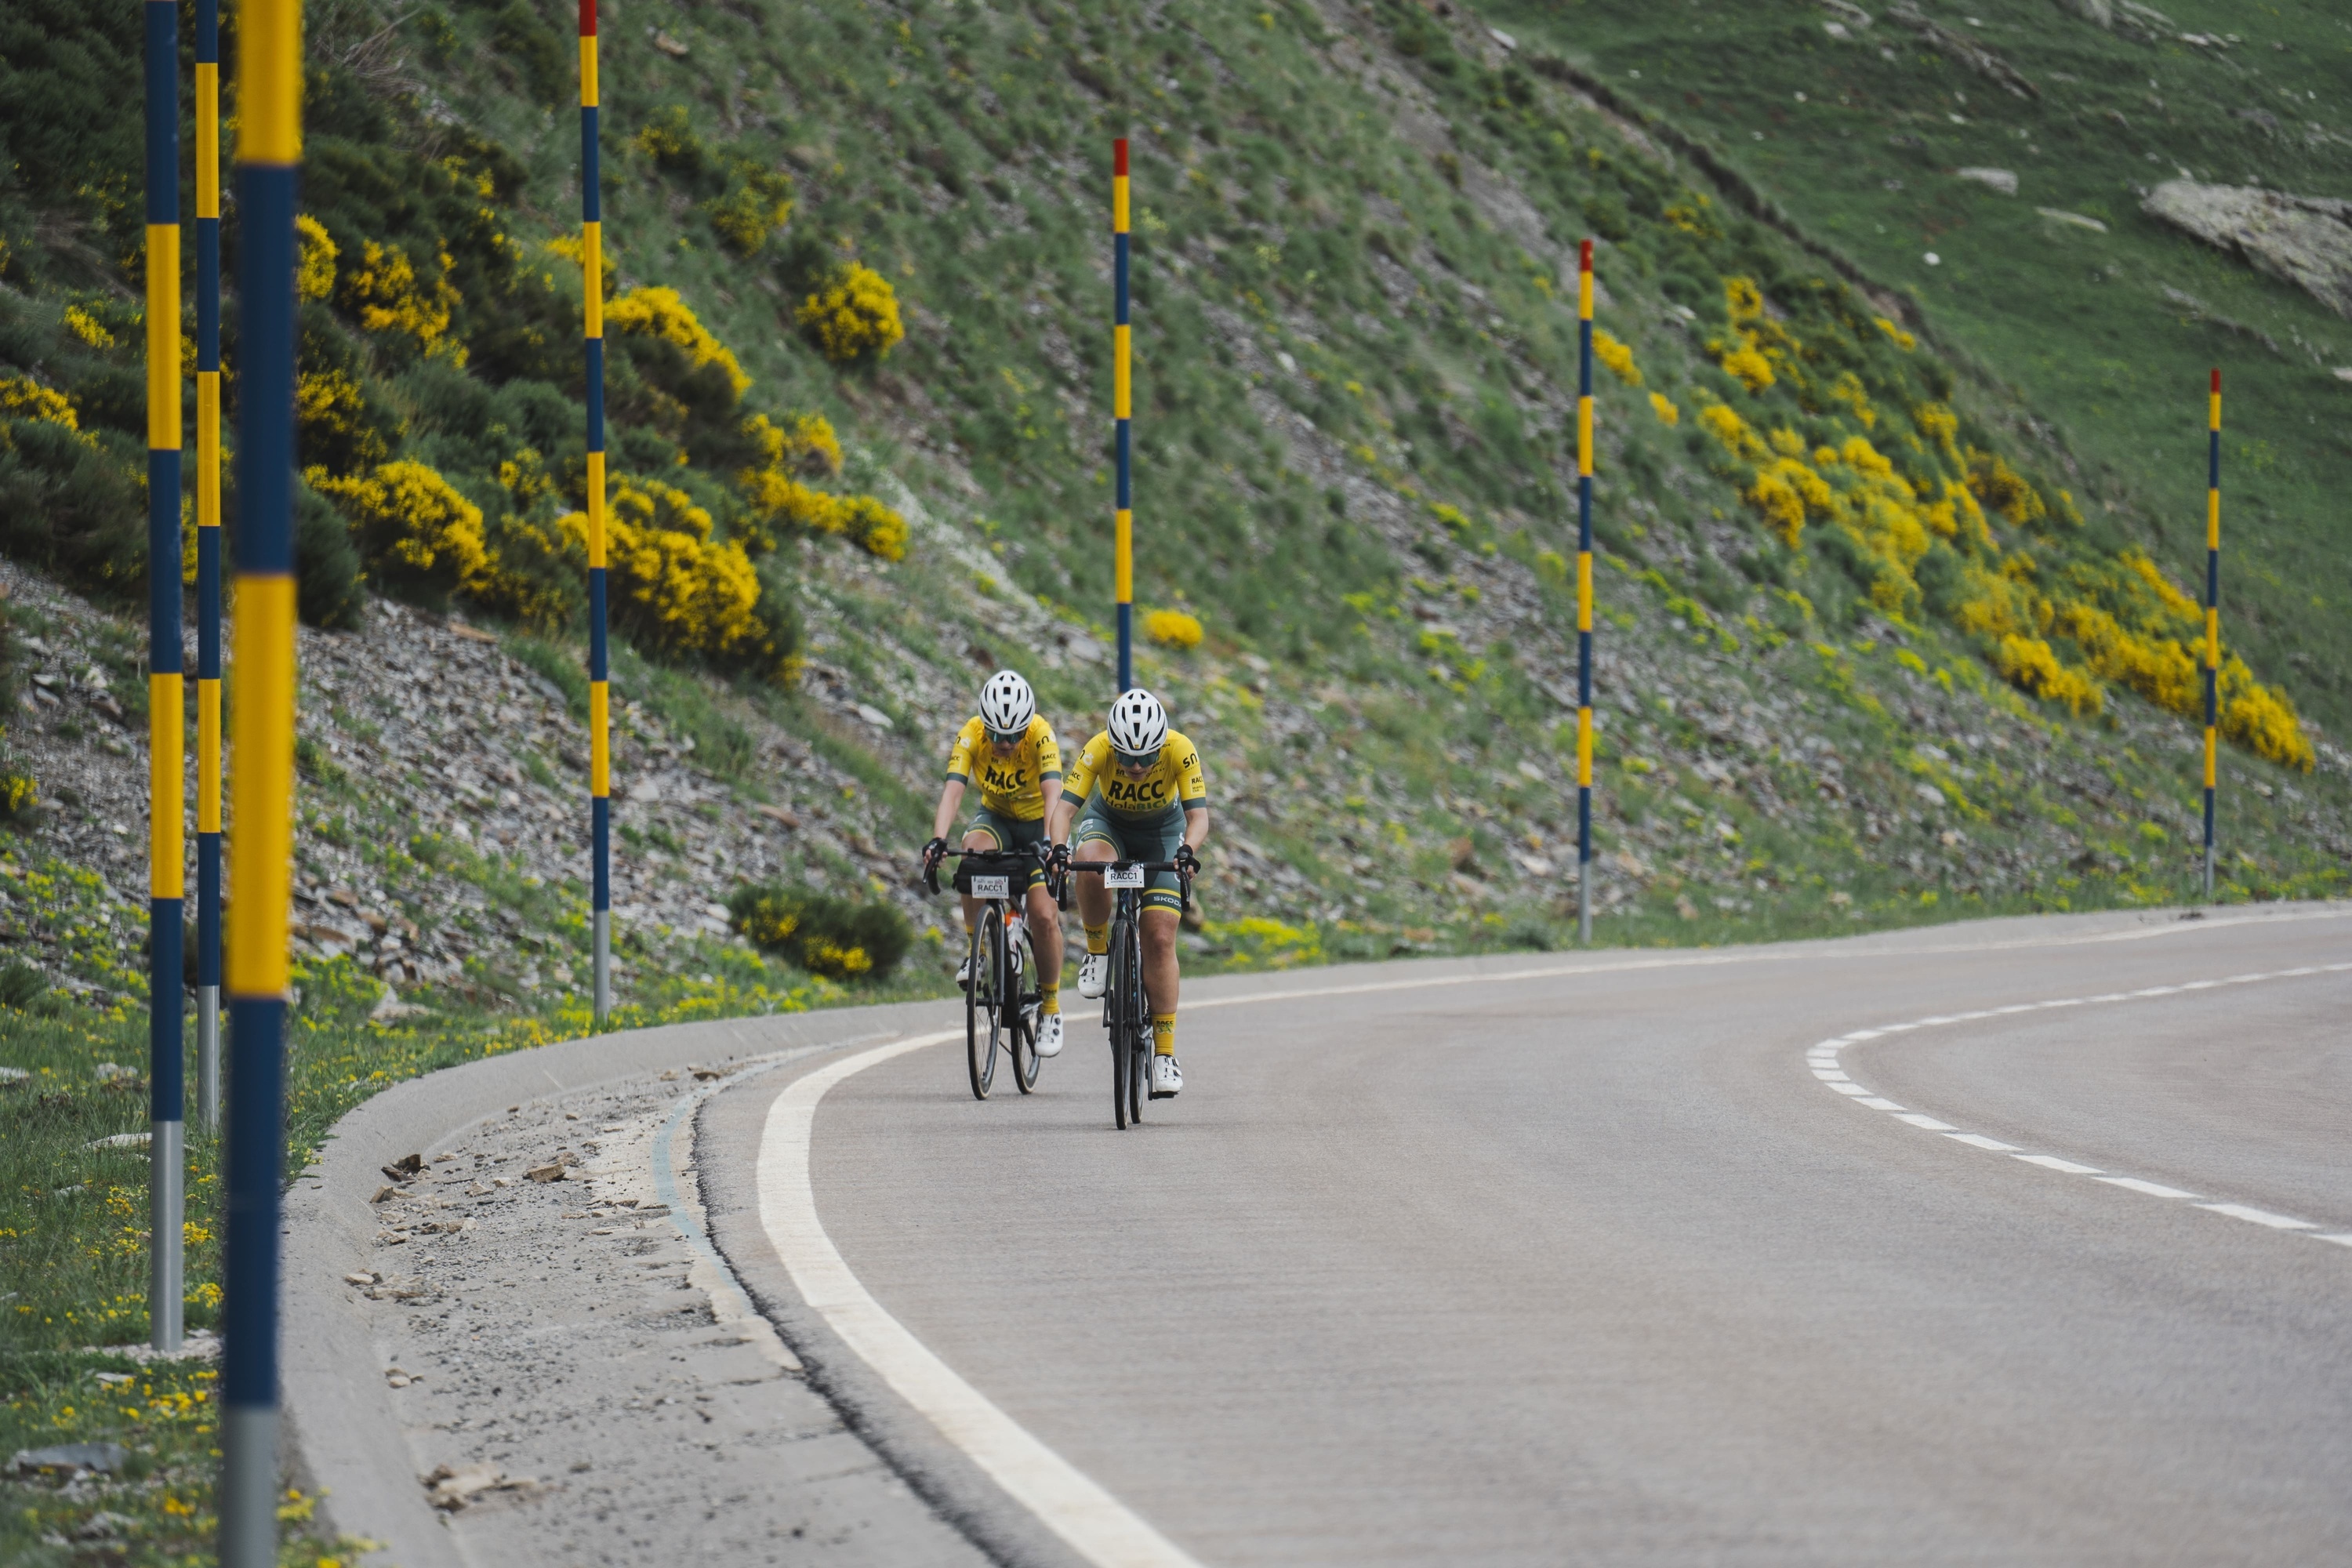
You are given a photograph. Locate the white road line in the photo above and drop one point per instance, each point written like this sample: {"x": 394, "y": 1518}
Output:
{"x": 2053, "y": 1162}
{"x": 1822, "y": 1059}
{"x": 1096, "y": 1525}
{"x": 2260, "y": 1216}
{"x": 2152, "y": 1189}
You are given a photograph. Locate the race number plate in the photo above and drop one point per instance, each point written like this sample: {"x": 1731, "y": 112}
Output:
{"x": 989, "y": 887}
{"x": 1123, "y": 877}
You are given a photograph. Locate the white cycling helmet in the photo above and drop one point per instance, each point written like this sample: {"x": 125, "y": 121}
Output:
{"x": 1138, "y": 724}
{"x": 1006, "y": 703}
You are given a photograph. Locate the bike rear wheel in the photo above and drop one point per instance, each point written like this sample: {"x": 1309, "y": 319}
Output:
{"x": 1024, "y": 1029}
{"x": 982, "y": 1016}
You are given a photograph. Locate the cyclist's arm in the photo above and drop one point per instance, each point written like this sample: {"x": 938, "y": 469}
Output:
{"x": 1196, "y": 826}
{"x": 1052, "y": 790}
{"x": 950, "y": 798}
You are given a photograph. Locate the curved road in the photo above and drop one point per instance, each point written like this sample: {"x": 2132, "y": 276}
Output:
{"x": 1669, "y": 1258}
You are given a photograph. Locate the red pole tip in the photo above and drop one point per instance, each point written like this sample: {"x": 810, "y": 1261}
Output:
{"x": 1118, "y": 157}
{"x": 1584, "y": 256}
{"x": 587, "y": 18}
{"x": 2217, "y": 378}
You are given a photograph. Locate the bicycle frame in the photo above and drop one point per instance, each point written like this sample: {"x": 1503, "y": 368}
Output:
{"x": 999, "y": 1002}
{"x": 1126, "y": 1014}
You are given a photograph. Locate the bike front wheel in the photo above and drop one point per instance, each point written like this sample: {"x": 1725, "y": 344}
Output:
{"x": 982, "y": 1012}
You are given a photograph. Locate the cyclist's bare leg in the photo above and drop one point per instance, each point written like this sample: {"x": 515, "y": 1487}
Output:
{"x": 975, "y": 839}
{"x": 1046, "y": 935}
{"x": 1160, "y": 959}
{"x": 1094, "y": 899}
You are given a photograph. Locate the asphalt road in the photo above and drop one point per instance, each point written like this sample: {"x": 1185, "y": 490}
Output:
{"x": 1602, "y": 1266}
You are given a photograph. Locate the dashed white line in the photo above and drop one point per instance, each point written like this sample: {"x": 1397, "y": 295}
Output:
{"x": 1822, "y": 1059}
{"x": 2260, "y": 1216}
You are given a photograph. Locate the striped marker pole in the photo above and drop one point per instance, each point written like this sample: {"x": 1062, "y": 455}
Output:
{"x": 2212, "y": 615}
{"x": 1584, "y": 595}
{"x": 1122, "y": 412}
{"x": 166, "y": 802}
{"x": 269, "y": 163}
{"x": 208, "y": 567}
{"x": 600, "y": 689}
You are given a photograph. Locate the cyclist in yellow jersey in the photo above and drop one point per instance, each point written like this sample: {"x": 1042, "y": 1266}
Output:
{"x": 1137, "y": 794}
{"x": 1012, "y": 753}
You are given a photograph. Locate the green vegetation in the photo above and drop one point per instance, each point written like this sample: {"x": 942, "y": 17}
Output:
{"x": 2088, "y": 342}
{"x": 835, "y": 937}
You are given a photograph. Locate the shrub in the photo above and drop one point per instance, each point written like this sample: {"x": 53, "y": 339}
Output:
{"x": 835, "y": 937}
{"x": 69, "y": 506}
{"x": 342, "y": 429}
{"x": 661, "y": 314}
{"x": 1617, "y": 356}
{"x": 2028, "y": 663}
{"x": 1172, "y": 628}
{"x": 855, "y": 317}
{"x": 676, "y": 589}
{"x": 414, "y": 528}
{"x": 384, "y": 292}
{"x": 808, "y": 446}
{"x": 755, "y": 208}
{"x": 19, "y": 792}
{"x": 327, "y": 575}
{"x": 314, "y": 267}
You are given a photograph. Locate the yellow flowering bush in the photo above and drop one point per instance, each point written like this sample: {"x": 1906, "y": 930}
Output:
{"x": 19, "y": 792}
{"x": 315, "y": 258}
{"x": 384, "y": 292}
{"x": 807, "y": 445}
{"x": 659, "y": 312}
{"x": 1663, "y": 407}
{"x": 2000, "y": 487}
{"x": 1172, "y": 628}
{"x": 2028, "y": 663}
{"x": 854, "y": 316}
{"x": 823, "y": 933}
{"x": 413, "y": 524}
{"x": 1617, "y": 356}
{"x": 336, "y": 425}
{"x": 22, "y": 397}
{"x": 675, "y": 587}
{"x": 87, "y": 328}
{"x": 753, "y": 211}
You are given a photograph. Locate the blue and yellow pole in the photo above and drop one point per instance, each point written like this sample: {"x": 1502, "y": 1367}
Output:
{"x": 1584, "y": 595}
{"x": 269, "y": 163}
{"x": 166, "y": 802}
{"x": 600, "y": 688}
{"x": 1122, "y": 412}
{"x": 2212, "y": 613}
{"x": 208, "y": 567}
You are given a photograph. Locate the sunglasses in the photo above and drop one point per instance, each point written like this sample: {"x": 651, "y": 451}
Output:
{"x": 1007, "y": 737}
{"x": 1136, "y": 764}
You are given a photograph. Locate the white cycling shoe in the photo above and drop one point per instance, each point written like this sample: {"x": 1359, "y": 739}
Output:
{"x": 1167, "y": 1078}
{"x": 1049, "y": 1034}
{"x": 1094, "y": 975}
{"x": 963, "y": 973}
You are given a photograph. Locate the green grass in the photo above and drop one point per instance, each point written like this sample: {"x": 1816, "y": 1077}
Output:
{"x": 2074, "y": 326}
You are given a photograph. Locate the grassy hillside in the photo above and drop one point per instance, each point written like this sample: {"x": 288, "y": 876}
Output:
{"x": 2104, "y": 337}
{"x": 859, "y": 291}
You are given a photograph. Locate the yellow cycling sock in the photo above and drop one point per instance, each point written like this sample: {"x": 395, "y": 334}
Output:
{"x": 1049, "y": 1000}
{"x": 1163, "y": 1034}
{"x": 1098, "y": 938}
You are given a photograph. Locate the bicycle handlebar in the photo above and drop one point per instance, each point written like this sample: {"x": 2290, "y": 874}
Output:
{"x": 1183, "y": 877}
{"x": 1038, "y": 852}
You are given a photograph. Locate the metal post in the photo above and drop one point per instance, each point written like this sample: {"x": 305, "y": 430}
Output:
{"x": 269, "y": 153}
{"x": 600, "y": 699}
{"x": 1584, "y": 595}
{"x": 166, "y": 802}
{"x": 208, "y": 568}
{"x": 1122, "y": 413}
{"x": 2213, "y": 616}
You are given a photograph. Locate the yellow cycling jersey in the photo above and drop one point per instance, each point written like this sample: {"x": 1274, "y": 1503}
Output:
{"x": 1012, "y": 782}
{"x": 1174, "y": 780}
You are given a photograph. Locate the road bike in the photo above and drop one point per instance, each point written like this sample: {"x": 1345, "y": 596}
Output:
{"x": 1127, "y": 1012}
{"x": 1000, "y": 1000}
